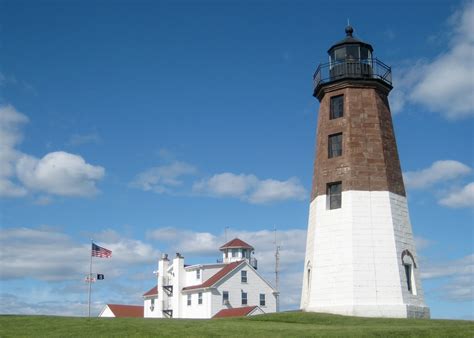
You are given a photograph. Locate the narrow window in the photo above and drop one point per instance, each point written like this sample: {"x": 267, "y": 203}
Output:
{"x": 262, "y": 299}
{"x": 408, "y": 275}
{"x": 234, "y": 252}
{"x": 200, "y": 298}
{"x": 152, "y": 304}
{"x": 309, "y": 280}
{"x": 244, "y": 298}
{"x": 244, "y": 253}
{"x": 336, "y": 107}
{"x": 225, "y": 297}
{"x": 334, "y": 194}
{"x": 189, "y": 300}
{"x": 243, "y": 276}
{"x": 335, "y": 145}
{"x": 198, "y": 274}
{"x": 409, "y": 265}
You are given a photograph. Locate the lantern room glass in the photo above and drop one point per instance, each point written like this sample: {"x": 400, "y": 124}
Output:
{"x": 350, "y": 52}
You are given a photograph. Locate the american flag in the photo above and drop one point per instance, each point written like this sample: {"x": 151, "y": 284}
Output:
{"x": 98, "y": 251}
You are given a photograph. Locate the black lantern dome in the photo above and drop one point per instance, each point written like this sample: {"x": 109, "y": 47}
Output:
{"x": 350, "y": 48}
{"x": 351, "y": 59}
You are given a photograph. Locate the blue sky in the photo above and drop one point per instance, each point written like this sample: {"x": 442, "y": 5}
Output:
{"x": 152, "y": 126}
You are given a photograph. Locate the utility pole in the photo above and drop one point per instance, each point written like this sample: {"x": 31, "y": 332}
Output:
{"x": 277, "y": 272}
{"x": 89, "y": 279}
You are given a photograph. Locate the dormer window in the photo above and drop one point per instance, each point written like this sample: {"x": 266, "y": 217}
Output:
{"x": 198, "y": 274}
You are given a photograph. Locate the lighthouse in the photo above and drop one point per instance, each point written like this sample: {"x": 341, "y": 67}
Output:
{"x": 360, "y": 252}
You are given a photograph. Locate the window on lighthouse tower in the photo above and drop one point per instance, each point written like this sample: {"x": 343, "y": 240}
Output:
{"x": 334, "y": 195}
{"x": 335, "y": 145}
{"x": 336, "y": 109}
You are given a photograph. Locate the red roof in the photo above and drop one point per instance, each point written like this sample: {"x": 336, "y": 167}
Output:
{"x": 126, "y": 310}
{"x": 216, "y": 277}
{"x": 152, "y": 292}
{"x": 236, "y": 243}
{"x": 235, "y": 312}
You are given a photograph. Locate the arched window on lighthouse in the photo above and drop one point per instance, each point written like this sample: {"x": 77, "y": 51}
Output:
{"x": 409, "y": 265}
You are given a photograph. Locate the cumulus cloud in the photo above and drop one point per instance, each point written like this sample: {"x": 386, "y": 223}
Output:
{"x": 58, "y": 173}
{"x": 28, "y": 253}
{"x": 461, "y": 198}
{"x": 459, "y": 274}
{"x": 250, "y": 188}
{"x": 446, "y": 83}
{"x": 439, "y": 171}
{"x": 187, "y": 241}
{"x": 162, "y": 179}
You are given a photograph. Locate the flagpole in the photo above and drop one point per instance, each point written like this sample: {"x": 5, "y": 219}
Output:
{"x": 90, "y": 282}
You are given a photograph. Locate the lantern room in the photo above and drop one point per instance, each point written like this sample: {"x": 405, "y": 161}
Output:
{"x": 350, "y": 49}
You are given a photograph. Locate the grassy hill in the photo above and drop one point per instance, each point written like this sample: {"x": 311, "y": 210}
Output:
{"x": 286, "y": 324}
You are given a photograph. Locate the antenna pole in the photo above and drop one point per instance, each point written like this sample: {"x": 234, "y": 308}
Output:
{"x": 90, "y": 283}
{"x": 277, "y": 273}
{"x": 225, "y": 233}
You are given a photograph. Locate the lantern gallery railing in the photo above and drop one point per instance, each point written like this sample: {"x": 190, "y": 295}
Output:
{"x": 354, "y": 69}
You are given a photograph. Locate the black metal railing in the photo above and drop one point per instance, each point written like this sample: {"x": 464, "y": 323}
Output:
{"x": 354, "y": 69}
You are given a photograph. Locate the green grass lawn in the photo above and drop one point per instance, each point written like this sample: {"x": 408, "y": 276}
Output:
{"x": 286, "y": 324}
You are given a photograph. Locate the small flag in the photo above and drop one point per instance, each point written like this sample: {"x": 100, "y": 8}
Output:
{"x": 101, "y": 252}
{"x": 100, "y": 276}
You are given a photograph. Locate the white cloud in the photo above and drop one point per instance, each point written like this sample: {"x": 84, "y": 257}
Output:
{"x": 459, "y": 274}
{"x": 57, "y": 173}
{"x": 446, "y": 83}
{"x": 162, "y": 179}
{"x": 462, "y": 198}
{"x": 422, "y": 243}
{"x": 227, "y": 185}
{"x": 250, "y": 188}
{"x": 10, "y": 189}
{"x": 29, "y": 253}
{"x": 186, "y": 241}
{"x": 273, "y": 190}
{"x": 10, "y": 135}
{"x": 439, "y": 171}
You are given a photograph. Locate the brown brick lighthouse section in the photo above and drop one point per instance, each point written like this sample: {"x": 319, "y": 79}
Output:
{"x": 369, "y": 160}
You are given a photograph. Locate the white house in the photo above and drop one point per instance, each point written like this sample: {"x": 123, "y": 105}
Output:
{"x": 231, "y": 288}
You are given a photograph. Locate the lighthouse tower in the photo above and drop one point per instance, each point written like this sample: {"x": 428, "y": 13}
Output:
{"x": 360, "y": 253}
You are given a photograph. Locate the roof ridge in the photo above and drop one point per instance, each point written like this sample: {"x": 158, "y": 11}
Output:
{"x": 217, "y": 276}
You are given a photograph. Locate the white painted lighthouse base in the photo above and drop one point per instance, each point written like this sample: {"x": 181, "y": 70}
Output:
{"x": 356, "y": 258}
